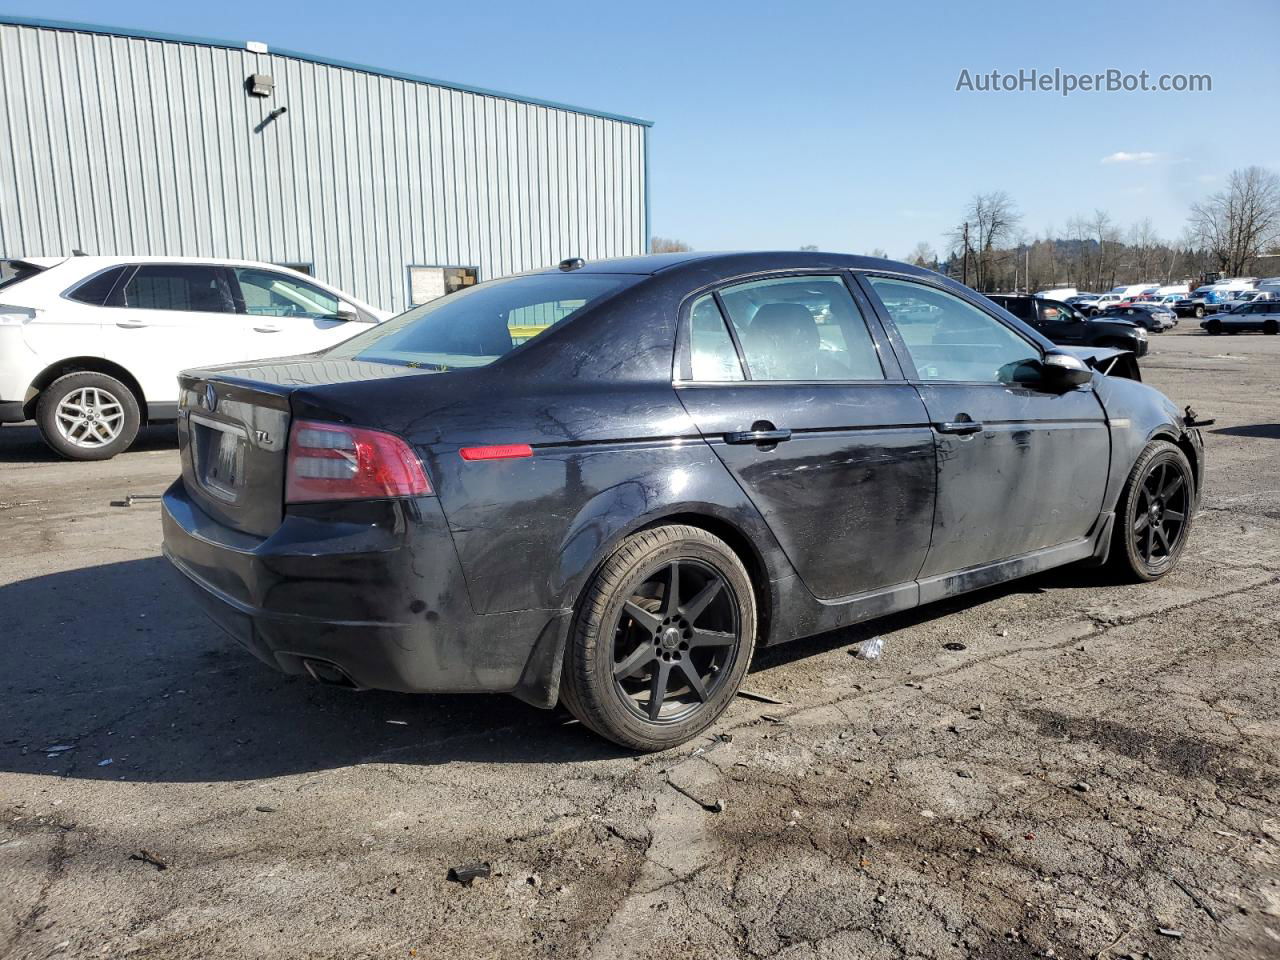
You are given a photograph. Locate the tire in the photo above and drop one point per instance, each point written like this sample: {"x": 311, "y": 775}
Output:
{"x": 88, "y": 416}
{"x": 1199, "y": 313}
{"x": 1213, "y": 328}
{"x": 1270, "y": 328}
{"x": 625, "y": 619}
{"x": 1154, "y": 515}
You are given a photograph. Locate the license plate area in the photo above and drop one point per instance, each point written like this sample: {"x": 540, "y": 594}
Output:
{"x": 220, "y": 455}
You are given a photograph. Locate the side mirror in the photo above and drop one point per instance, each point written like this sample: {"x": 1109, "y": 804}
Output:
{"x": 1064, "y": 371}
{"x": 346, "y": 313}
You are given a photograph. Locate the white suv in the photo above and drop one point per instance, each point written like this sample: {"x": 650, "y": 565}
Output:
{"x": 91, "y": 347}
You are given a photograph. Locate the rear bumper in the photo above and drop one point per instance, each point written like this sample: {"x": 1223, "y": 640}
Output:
{"x": 365, "y": 595}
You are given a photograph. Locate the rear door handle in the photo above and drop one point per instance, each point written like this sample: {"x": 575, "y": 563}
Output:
{"x": 959, "y": 426}
{"x": 758, "y": 436}
{"x": 127, "y": 324}
{"x": 268, "y": 328}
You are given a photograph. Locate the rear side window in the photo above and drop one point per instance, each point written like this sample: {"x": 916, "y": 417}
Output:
{"x": 950, "y": 339}
{"x": 801, "y": 328}
{"x": 712, "y": 355}
{"x": 479, "y": 324}
{"x": 98, "y": 288}
{"x": 1022, "y": 309}
{"x": 179, "y": 286}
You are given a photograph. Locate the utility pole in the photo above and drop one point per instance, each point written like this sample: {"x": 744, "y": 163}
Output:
{"x": 964, "y": 275}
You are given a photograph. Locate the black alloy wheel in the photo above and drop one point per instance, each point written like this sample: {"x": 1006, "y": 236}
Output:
{"x": 1155, "y": 513}
{"x": 662, "y": 638}
{"x": 673, "y": 640}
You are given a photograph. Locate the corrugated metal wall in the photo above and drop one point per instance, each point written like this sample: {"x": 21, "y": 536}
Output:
{"x": 121, "y": 145}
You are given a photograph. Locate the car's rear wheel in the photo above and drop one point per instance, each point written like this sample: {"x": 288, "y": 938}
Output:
{"x": 1213, "y": 327}
{"x": 1270, "y": 327}
{"x": 662, "y": 638}
{"x": 1199, "y": 313}
{"x": 88, "y": 416}
{"x": 1154, "y": 515}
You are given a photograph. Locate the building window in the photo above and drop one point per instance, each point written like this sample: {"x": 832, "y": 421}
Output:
{"x": 431, "y": 283}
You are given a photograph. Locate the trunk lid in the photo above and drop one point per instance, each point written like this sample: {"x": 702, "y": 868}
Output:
{"x": 233, "y": 431}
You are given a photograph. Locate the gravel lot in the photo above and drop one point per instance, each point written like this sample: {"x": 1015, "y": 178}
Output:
{"x": 1096, "y": 774}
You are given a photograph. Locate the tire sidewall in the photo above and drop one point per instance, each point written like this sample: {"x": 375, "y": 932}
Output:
{"x": 602, "y": 708}
{"x": 52, "y": 396}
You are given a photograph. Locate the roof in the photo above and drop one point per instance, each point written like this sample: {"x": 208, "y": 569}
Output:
{"x": 262, "y": 48}
{"x": 747, "y": 261}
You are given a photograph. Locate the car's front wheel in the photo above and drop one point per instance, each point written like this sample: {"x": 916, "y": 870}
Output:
{"x": 88, "y": 416}
{"x": 1271, "y": 328}
{"x": 1154, "y": 514}
{"x": 662, "y": 638}
{"x": 1199, "y": 313}
{"x": 1213, "y": 327}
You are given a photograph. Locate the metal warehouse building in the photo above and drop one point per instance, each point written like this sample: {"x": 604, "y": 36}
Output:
{"x": 394, "y": 187}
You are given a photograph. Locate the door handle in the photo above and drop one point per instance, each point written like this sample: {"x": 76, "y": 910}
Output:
{"x": 758, "y": 436}
{"x": 268, "y": 328}
{"x": 128, "y": 324}
{"x": 960, "y": 427}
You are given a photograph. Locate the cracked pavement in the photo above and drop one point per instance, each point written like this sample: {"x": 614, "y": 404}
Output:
{"x": 1098, "y": 764}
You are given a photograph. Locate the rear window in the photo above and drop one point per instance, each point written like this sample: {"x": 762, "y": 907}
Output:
{"x": 15, "y": 271}
{"x": 98, "y": 288}
{"x": 476, "y": 326}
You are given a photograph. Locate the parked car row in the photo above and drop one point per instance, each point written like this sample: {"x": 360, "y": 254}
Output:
{"x": 91, "y": 347}
{"x": 1064, "y": 324}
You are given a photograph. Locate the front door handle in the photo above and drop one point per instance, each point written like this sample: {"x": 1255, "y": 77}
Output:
{"x": 758, "y": 436}
{"x": 131, "y": 324}
{"x": 268, "y": 328}
{"x": 961, "y": 427}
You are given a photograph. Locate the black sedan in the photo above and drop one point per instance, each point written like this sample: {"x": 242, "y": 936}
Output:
{"x": 606, "y": 484}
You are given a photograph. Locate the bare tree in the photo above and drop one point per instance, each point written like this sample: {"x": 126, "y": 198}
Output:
{"x": 923, "y": 255}
{"x": 989, "y": 222}
{"x": 667, "y": 245}
{"x": 1144, "y": 250}
{"x": 809, "y": 248}
{"x": 879, "y": 252}
{"x": 1240, "y": 223}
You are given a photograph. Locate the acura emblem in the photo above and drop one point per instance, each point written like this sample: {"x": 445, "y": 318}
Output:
{"x": 210, "y": 398}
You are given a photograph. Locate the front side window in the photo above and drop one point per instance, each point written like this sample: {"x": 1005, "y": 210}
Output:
{"x": 801, "y": 328}
{"x": 479, "y": 324}
{"x": 179, "y": 286}
{"x": 269, "y": 294}
{"x": 950, "y": 339}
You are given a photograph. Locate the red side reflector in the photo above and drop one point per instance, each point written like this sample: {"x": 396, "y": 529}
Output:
{"x": 501, "y": 451}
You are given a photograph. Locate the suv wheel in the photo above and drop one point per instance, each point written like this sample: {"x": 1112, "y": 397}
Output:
{"x": 1199, "y": 313}
{"x": 88, "y": 416}
{"x": 1153, "y": 517}
{"x": 661, "y": 640}
{"x": 1270, "y": 327}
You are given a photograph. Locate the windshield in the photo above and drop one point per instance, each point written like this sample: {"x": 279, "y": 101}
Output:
{"x": 15, "y": 271}
{"x": 476, "y": 326}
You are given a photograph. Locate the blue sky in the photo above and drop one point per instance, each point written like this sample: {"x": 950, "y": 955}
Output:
{"x": 837, "y": 124}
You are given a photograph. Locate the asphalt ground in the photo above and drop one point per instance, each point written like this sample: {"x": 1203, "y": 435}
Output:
{"x": 1095, "y": 773}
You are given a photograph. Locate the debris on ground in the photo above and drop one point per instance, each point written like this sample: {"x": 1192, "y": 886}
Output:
{"x": 60, "y": 748}
{"x": 467, "y": 872}
{"x": 1081, "y": 786}
{"x": 771, "y": 718}
{"x": 265, "y": 808}
{"x": 1166, "y": 932}
{"x": 954, "y": 645}
{"x": 759, "y": 697}
{"x": 869, "y": 649}
{"x": 105, "y": 763}
{"x": 146, "y": 856}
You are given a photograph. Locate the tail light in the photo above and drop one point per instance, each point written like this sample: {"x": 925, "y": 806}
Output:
{"x": 329, "y": 461}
